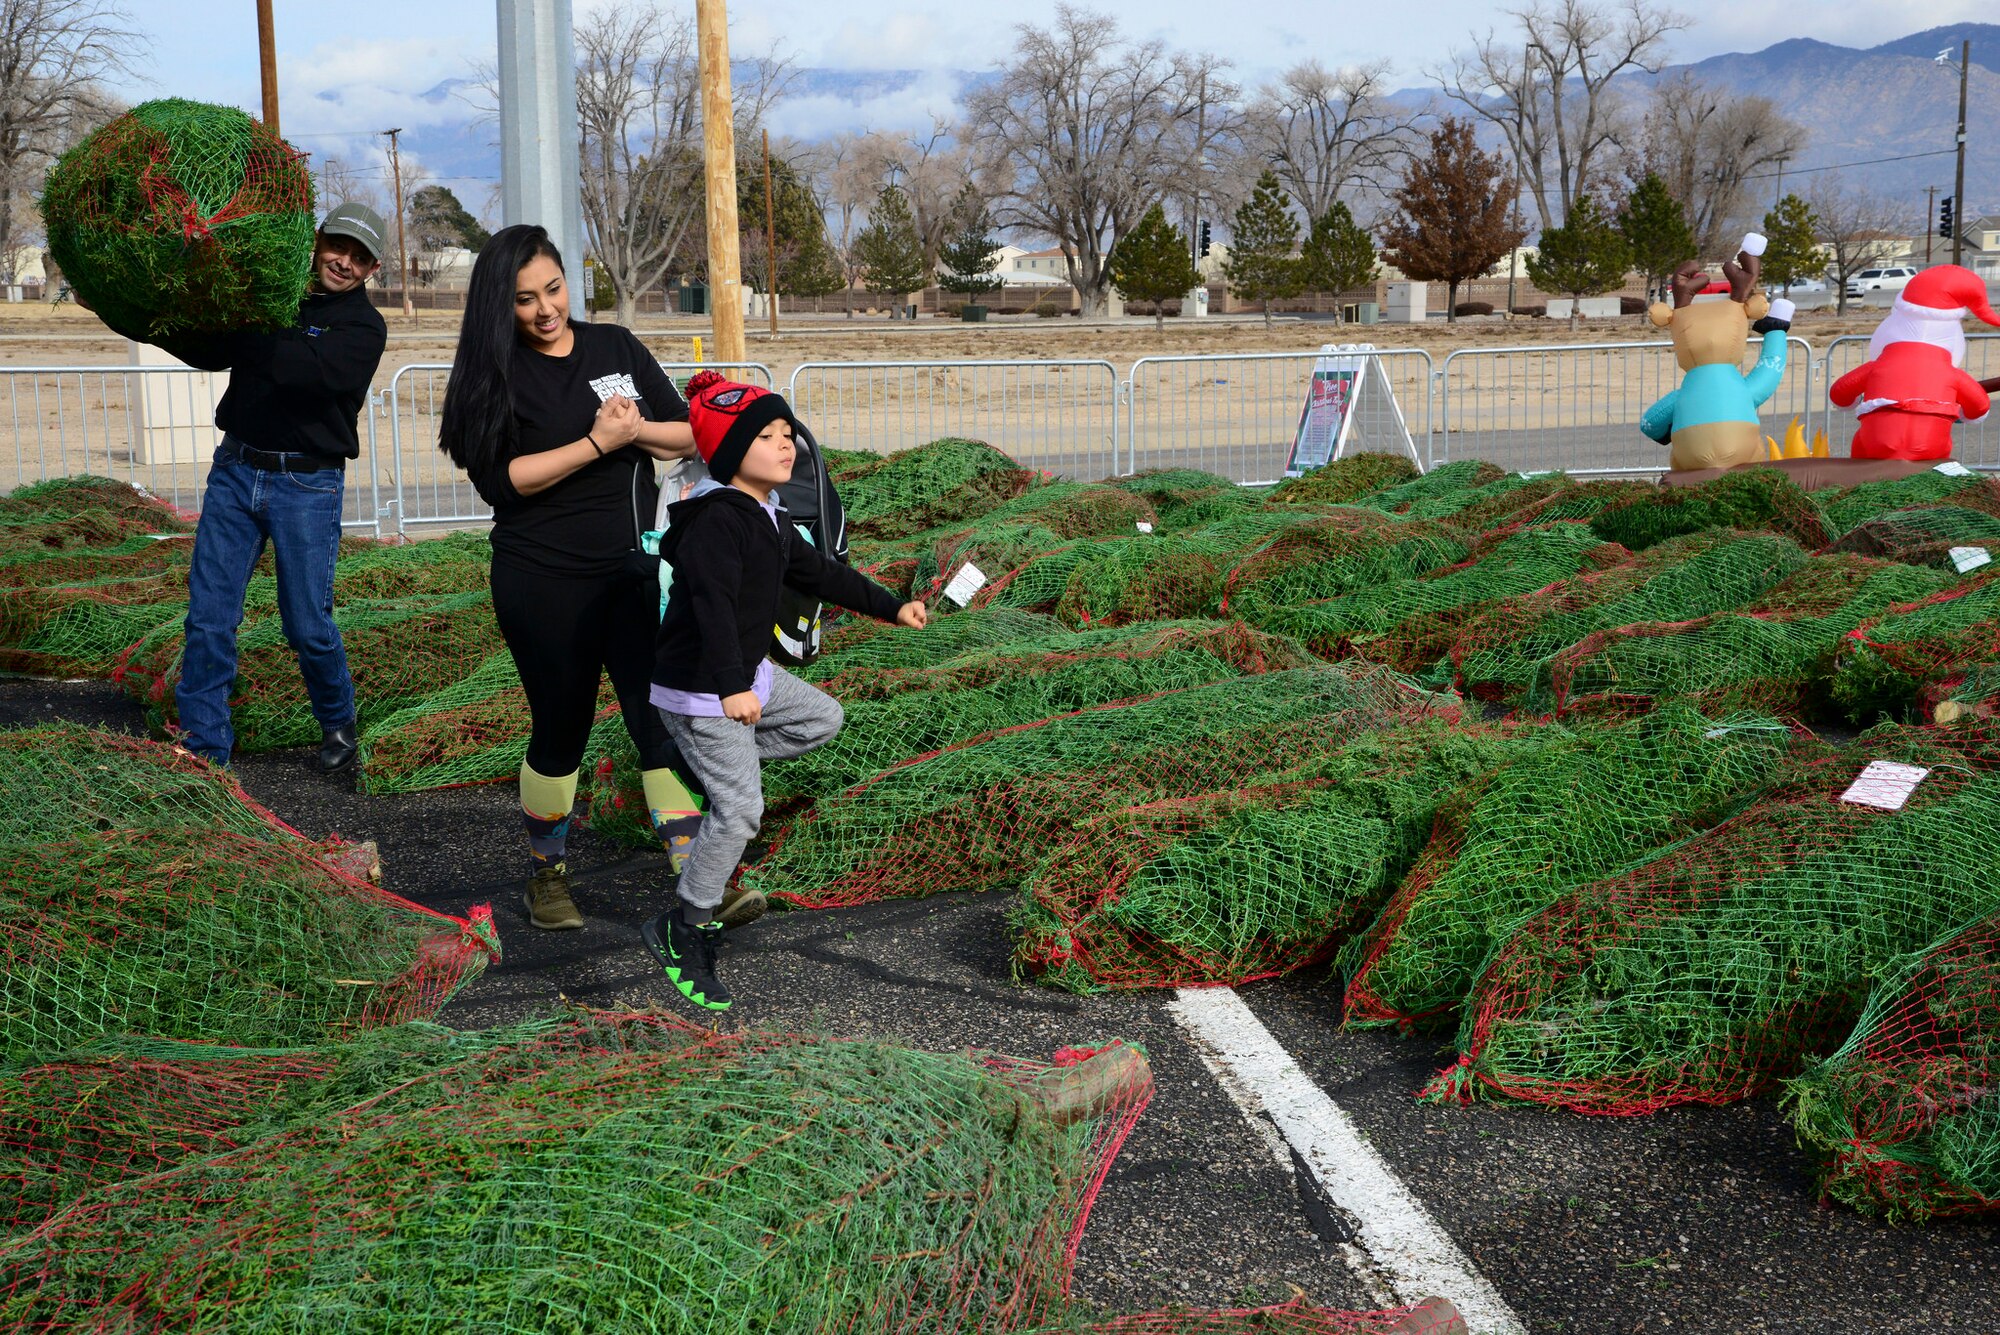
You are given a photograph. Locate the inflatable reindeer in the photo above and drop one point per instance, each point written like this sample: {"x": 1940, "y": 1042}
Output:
{"x": 1711, "y": 420}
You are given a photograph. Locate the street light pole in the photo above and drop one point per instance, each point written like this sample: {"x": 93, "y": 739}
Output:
{"x": 1958, "y": 184}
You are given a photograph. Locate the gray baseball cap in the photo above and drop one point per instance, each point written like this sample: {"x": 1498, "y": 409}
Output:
{"x": 360, "y": 222}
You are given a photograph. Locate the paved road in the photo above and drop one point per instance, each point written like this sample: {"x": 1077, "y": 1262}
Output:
{"x": 1695, "y": 1219}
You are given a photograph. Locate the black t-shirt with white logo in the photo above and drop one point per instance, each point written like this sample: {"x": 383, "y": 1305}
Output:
{"x": 588, "y": 523}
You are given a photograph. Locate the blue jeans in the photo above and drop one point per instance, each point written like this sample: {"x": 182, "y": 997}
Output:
{"x": 299, "y": 515}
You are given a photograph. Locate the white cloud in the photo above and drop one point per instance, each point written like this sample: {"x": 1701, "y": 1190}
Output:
{"x": 933, "y": 93}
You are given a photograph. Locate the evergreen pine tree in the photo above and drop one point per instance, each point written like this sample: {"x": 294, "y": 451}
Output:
{"x": 1791, "y": 250}
{"x": 1584, "y": 257}
{"x": 1339, "y": 254}
{"x": 889, "y": 251}
{"x": 1151, "y": 263}
{"x": 969, "y": 256}
{"x": 1656, "y": 228}
{"x": 1262, "y": 236}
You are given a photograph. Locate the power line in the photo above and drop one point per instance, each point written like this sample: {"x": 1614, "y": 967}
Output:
{"x": 1865, "y": 162}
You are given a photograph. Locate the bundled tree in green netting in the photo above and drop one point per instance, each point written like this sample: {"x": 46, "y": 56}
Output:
{"x": 1883, "y": 666}
{"x": 1263, "y": 235}
{"x": 1656, "y": 230}
{"x": 1151, "y": 263}
{"x": 1347, "y": 478}
{"x": 1338, "y": 253}
{"x": 1584, "y": 257}
{"x": 182, "y": 216}
{"x": 1791, "y": 250}
{"x": 1755, "y": 498}
{"x": 912, "y": 490}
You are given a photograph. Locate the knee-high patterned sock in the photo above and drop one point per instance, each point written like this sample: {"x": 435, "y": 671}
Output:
{"x": 676, "y": 814}
{"x": 545, "y": 807}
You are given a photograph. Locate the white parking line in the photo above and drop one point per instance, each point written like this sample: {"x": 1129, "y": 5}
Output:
{"x": 1401, "y": 1241}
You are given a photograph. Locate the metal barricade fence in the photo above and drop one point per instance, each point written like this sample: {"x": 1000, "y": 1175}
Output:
{"x": 1237, "y": 415}
{"x": 1974, "y": 444}
{"x": 428, "y": 488}
{"x": 1060, "y": 416}
{"x": 151, "y": 426}
{"x": 1576, "y": 406}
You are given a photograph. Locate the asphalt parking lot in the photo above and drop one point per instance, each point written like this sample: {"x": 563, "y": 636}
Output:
{"x": 1693, "y": 1219}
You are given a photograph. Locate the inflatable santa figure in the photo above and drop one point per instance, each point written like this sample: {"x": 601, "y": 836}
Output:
{"x": 1912, "y": 388}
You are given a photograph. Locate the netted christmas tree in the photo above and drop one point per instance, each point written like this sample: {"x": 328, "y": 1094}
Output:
{"x": 944, "y": 482}
{"x": 1907, "y": 1113}
{"x": 1510, "y": 843}
{"x": 1885, "y": 665}
{"x": 1848, "y": 508}
{"x": 183, "y": 216}
{"x": 1756, "y": 498}
{"x": 1249, "y": 881}
{"x": 1711, "y": 970}
{"x": 1774, "y": 654}
{"x": 1189, "y": 498}
{"x": 1346, "y": 479}
{"x": 745, "y": 1182}
{"x": 971, "y": 816}
{"x": 1924, "y": 535}
{"x": 204, "y": 933}
{"x": 1442, "y": 482}
{"x": 1335, "y": 554}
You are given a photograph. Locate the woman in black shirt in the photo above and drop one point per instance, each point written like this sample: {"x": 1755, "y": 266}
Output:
{"x": 558, "y": 424}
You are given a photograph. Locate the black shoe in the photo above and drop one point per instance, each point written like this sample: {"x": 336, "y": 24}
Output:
{"x": 337, "y": 747}
{"x": 687, "y": 954}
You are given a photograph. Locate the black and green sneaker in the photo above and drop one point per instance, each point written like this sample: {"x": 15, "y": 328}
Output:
{"x": 687, "y": 954}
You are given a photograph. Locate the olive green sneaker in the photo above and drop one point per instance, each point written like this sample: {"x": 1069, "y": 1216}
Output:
{"x": 740, "y": 907}
{"x": 549, "y": 904}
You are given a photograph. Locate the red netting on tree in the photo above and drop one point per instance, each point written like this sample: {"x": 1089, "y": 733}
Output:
{"x": 1907, "y": 1113}
{"x": 1337, "y": 554}
{"x": 1887, "y": 662}
{"x": 1974, "y": 693}
{"x": 207, "y": 934}
{"x": 1923, "y": 535}
{"x": 1500, "y": 653}
{"x": 1297, "y": 1317}
{"x": 1850, "y": 507}
{"x": 1711, "y": 970}
{"x": 714, "y": 1182}
{"x": 1764, "y": 499}
{"x": 1774, "y": 655}
{"x": 976, "y": 815}
{"x": 1249, "y": 882}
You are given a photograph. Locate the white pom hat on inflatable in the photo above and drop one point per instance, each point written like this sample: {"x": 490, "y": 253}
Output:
{"x": 1930, "y": 309}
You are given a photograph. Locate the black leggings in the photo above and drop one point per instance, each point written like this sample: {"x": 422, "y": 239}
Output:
{"x": 565, "y": 632}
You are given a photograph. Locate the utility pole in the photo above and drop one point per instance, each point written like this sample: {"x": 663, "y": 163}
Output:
{"x": 540, "y": 141}
{"x": 1779, "y": 197}
{"x": 718, "y": 138}
{"x": 326, "y": 181}
{"x": 402, "y": 251}
{"x": 267, "y": 60}
{"x": 1930, "y": 225}
{"x": 1958, "y": 183}
{"x": 770, "y": 238}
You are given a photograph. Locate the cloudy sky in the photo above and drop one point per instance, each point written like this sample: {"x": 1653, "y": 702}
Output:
{"x": 355, "y": 66}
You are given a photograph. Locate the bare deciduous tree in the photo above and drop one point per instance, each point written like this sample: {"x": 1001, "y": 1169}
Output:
{"x": 1081, "y": 134}
{"x": 1548, "y": 89}
{"x": 1323, "y": 131}
{"x": 638, "y": 102}
{"x": 1705, "y": 143}
{"x": 845, "y": 172}
{"x": 1856, "y": 230}
{"x": 931, "y": 168}
{"x": 52, "y": 55}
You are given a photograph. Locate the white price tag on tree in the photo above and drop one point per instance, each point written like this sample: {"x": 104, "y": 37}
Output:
{"x": 969, "y": 580}
{"x": 1968, "y": 559}
{"x": 1884, "y": 784}
{"x": 1953, "y": 468}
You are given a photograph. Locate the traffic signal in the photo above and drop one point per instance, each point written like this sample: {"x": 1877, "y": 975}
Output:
{"x": 1944, "y": 216}
{"x": 1201, "y": 232}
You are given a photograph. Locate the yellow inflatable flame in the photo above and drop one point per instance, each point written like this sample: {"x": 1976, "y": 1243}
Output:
{"x": 1772, "y": 446}
{"x": 1819, "y": 445}
{"x": 1795, "y": 441}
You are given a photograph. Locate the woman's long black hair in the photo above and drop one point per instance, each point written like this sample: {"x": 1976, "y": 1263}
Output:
{"x": 477, "y": 427}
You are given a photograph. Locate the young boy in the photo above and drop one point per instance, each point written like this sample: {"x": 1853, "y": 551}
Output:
{"x": 727, "y": 705}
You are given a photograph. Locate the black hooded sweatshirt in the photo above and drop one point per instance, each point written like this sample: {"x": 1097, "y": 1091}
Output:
{"x": 729, "y": 564}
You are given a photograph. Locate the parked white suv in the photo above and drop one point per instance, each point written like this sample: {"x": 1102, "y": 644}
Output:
{"x": 1881, "y": 280}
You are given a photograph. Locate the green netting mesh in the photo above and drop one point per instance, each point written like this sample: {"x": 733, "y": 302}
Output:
{"x": 863, "y": 647}
{"x": 1922, "y": 535}
{"x": 602, "y": 1174}
{"x": 1346, "y": 479}
{"x": 1189, "y": 498}
{"x": 1499, "y": 654}
{"x": 1505, "y": 498}
{"x": 1335, "y": 554}
{"x": 1757, "y": 498}
{"x": 1774, "y": 654}
{"x": 975, "y": 815}
{"x": 398, "y": 650}
{"x": 1022, "y": 529}
{"x": 206, "y": 933}
{"x": 944, "y": 482}
{"x": 1509, "y": 845}
{"x": 183, "y": 215}
{"x": 79, "y": 629}
{"x": 1907, "y": 1113}
{"x": 1409, "y": 623}
{"x": 897, "y": 713}
{"x": 1443, "y": 481}
{"x": 1885, "y": 664}
{"x": 1244, "y": 883}
{"x": 1709, "y": 971}
{"x": 1973, "y": 693}
{"x": 1848, "y": 508}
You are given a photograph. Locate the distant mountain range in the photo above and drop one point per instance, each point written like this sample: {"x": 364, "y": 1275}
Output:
{"x": 1879, "y": 107}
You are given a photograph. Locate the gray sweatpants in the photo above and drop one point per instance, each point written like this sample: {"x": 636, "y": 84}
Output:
{"x": 728, "y": 757}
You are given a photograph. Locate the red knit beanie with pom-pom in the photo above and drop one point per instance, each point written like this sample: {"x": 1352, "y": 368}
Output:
{"x": 726, "y": 416}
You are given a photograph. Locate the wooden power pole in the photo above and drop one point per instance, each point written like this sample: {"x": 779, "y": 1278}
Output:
{"x": 1958, "y": 181}
{"x": 402, "y": 251}
{"x": 770, "y": 237}
{"x": 718, "y": 138}
{"x": 267, "y": 59}
{"x": 1930, "y": 221}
